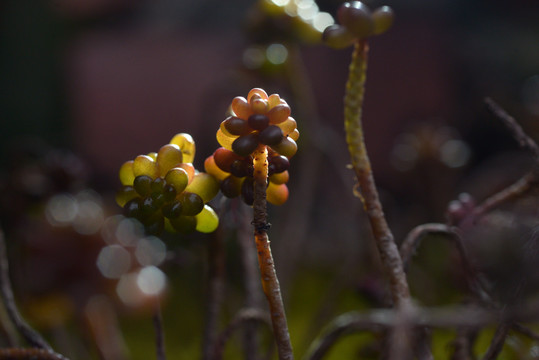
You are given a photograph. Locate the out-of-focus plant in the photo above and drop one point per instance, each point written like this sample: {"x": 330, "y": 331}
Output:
{"x": 163, "y": 190}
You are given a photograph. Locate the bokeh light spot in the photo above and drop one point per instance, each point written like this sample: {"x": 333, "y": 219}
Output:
{"x": 61, "y": 209}
{"x": 151, "y": 280}
{"x": 113, "y": 261}
{"x": 151, "y": 251}
{"x": 277, "y": 54}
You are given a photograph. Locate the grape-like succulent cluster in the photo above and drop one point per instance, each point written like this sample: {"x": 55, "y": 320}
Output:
{"x": 258, "y": 120}
{"x": 164, "y": 191}
{"x": 357, "y": 22}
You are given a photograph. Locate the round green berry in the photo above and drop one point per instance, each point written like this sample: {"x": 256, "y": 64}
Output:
{"x": 142, "y": 185}
{"x": 383, "y": 19}
{"x": 337, "y": 37}
{"x": 192, "y": 203}
{"x": 172, "y": 210}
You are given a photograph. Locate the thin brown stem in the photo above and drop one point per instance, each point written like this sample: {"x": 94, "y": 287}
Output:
{"x": 382, "y": 320}
{"x": 343, "y": 325}
{"x": 242, "y": 318}
{"x": 216, "y": 263}
{"x": 28, "y": 333}
{"x": 251, "y": 283}
{"x": 29, "y": 354}
{"x": 523, "y": 330}
{"x": 463, "y": 344}
{"x": 498, "y": 341}
{"x": 353, "y": 101}
{"x": 516, "y": 130}
{"x": 413, "y": 240}
{"x": 159, "y": 332}
{"x": 513, "y": 191}
{"x": 525, "y": 183}
{"x": 270, "y": 283}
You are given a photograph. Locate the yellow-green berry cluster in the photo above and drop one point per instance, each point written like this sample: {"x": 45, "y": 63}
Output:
{"x": 258, "y": 120}
{"x": 357, "y": 22}
{"x": 288, "y": 20}
{"x": 163, "y": 190}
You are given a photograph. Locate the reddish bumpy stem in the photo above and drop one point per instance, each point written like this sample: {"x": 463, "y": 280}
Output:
{"x": 270, "y": 283}
{"x": 353, "y": 103}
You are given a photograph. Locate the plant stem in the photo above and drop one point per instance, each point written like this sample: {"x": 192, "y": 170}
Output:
{"x": 243, "y": 318}
{"x": 253, "y": 297}
{"x": 159, "y": 332}
{"x": 270, "y": 283}
{"x": 216, "y": 290}
{"x": 29, "y": 334}
{"x": 353, "y": 103}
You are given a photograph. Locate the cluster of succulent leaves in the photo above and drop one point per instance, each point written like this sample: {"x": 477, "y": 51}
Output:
{"x": 163, "y": 190}
{"x": 357, "y": 22}
{"x": 259, "y": 120}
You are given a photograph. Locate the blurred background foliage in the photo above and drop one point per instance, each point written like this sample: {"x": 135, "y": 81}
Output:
{"x": 87, "y": 84}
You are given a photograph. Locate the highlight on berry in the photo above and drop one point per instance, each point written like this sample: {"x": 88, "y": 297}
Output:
{"x": 163, "y": 190}
{"x": 259, "y": 119}
{"x": 357, "y": 22}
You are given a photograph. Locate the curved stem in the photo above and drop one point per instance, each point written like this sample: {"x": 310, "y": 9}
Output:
{"x": 353, "y": 103}
{"x": 242, "y": 318}
{"x": 270, "y": 283}
{"x": 30, "y": 335}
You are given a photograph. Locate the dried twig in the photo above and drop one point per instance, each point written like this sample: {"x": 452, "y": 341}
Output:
{"x": 242, "y": 318}
{"x": 216, "y": 261}
{"x": 251, "y": 282}
{"x": 28, "y": 333}
{"x": 516, "y": 130}
{"x": 525, "y": 183}
{"x": 343, "y": 325}
{"x": 498, "y": 341}
{"x": 414, "y": 237}
{"x": 384, "y": 319}
{"x": 29, "y": 354}
{"x": 463, "y": 344}
{"x": 513, "y": 191}
{"x": 523, "y": 330}
{"x": 159, "y": 332}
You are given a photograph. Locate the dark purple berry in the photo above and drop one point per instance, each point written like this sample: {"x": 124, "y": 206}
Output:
{"x": 245, "y": 145}
{"x": 258, "y": 121}
{"x": 240, "y": 168}
{"x": 236, "y": 126}
{"x": 272, "y": 135}
{"x": 279, "y": 164}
